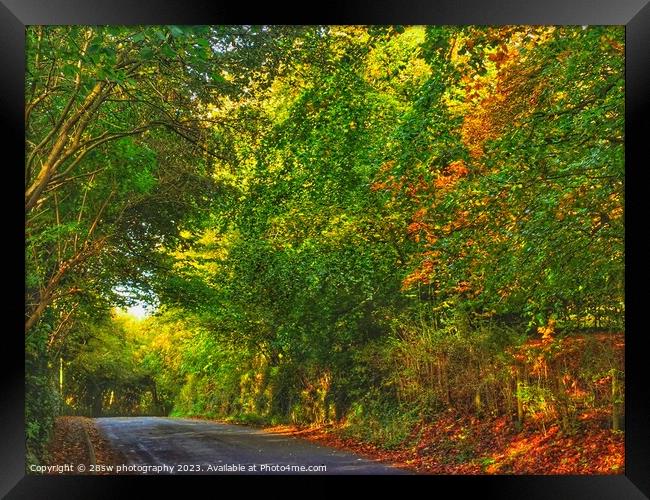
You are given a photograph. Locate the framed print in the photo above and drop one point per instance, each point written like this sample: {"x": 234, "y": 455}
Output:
{"x": 387, "y": 240}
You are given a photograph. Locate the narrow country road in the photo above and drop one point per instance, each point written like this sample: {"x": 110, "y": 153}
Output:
{"x": 199, "y": 447}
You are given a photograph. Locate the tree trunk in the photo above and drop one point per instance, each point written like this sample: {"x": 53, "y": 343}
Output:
{"x": 477, "y": 401}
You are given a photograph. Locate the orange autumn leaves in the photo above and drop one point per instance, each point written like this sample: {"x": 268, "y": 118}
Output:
{"x": 450, "y": 176}
{"x": 422, "y": 228}
{"x": 491, "y": 101}
{"x": 496, "y": 446}
{"x": 488, "y": 101}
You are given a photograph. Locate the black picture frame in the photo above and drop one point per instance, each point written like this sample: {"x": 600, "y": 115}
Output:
{"x": 634, "y": 14}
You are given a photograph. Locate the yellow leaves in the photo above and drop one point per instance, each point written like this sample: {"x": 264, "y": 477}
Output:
{"x": 282, "y": 95}
{"x": 339, "y": 227}
{"x": 379, "y": 70}
{"x": 559, "y": 97}
{"x": 478, "y": 127}
{"x": 490, "y": 101}
{"x": 616, "y": 213}
{"x": 548, "y": 330}
{"x": 413, "y": 36}
{"x": 350, "y": 32}
{"x": 227, "y": 76}
{"x": 217, "y": 109}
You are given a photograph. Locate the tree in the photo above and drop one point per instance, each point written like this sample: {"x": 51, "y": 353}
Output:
{"x": 108, "y": 138}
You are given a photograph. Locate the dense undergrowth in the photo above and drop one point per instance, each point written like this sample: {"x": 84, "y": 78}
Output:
{"x": 561, "y": 380}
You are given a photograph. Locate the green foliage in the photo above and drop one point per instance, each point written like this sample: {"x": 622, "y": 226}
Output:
{"x": 381, "y": 421}
{"x": 42, "y": 399}
{"x": 105, "y": 372}
{"x": 337, "y": 223}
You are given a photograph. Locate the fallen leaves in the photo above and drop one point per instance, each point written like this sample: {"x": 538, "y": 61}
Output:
{"x": 68, "y": 445}
{"x": 466, "y": 445}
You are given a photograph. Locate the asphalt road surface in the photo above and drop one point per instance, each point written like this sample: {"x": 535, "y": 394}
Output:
{"x": 200, "y": 447}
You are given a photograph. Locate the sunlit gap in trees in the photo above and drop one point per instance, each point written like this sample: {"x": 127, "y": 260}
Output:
{"x": 136, "y": 303}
